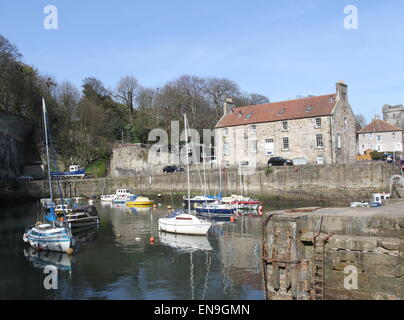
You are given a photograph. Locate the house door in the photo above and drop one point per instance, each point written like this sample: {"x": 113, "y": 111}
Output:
{"x": 269, "y": 147}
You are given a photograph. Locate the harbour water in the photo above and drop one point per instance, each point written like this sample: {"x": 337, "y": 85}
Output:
{"x": 118, "y": 261}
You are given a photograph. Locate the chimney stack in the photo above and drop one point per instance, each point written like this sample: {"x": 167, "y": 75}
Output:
{"x": 342, "y": 90}
{"x": 228, "y": 105}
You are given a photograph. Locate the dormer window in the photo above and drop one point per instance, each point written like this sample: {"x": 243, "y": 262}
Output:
{"x": 248, "y": 116}
{"x": 309, "y": 108}
{"x": 282, "y": 111}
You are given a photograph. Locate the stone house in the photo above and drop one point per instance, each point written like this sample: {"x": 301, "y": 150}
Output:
{"x": 313, "y": 130}
{"x": 381, "y": 136}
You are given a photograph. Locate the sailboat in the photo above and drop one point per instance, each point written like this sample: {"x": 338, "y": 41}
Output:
{"x": 54, "y": 235}
{"x": 179, "y": 221}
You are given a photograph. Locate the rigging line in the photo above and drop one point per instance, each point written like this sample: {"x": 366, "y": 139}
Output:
{"x": 54, "y": 161}
{"x": 208, "y": 262}
{"x": 193, "y": 153}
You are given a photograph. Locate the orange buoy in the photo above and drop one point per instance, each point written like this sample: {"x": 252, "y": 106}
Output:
{"x": 151, "y": 239}
{"x": 154, "y": 206}
{"x": 232, "y": 219}
{"x": 260, "y": 210}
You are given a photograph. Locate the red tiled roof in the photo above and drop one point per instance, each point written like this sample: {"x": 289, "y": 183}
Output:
{"x": 379, "y": 126}
{"x": 277, "y": 111}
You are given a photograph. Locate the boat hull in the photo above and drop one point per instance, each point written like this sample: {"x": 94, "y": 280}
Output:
{"x": 80, "y": 223}
{"x": 58, "y": 243}
{"x": 169, "y": 226}
{"x": 139, "y": 203}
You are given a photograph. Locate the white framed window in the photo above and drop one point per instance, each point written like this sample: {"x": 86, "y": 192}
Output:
{"x": 285, "y": 144}
{"x": 399, "y": 147}
{"x": 339, "y": 143}
{"x": 269, "y": 147}
{"x": 320, "y": 160}
{"x": 254, "y": 147}
{"x": 253, "y": 130}
{"x": 226, "y": 132}
{"x": 226, "y": 148}
{"x": 319, "y": 141}
{"x": 317, "y": 123}
{"x": 379, "y": 148}
{"x": 394, "y": 135}
{"x": 370, "y": 135}
{"x": 285, "y": 126}
{"x": 379, "y": 138}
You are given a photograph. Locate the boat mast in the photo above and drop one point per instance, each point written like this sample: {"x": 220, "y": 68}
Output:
{"x": 187, "y": 152}
{"x": 47, "y": 147}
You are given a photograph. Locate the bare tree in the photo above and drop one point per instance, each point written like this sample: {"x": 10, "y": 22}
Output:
{"x": 360, "y": 121}
{"x": 68, "y": 97}
{"x": 248, "y": 99}
{"x": 127, "y": 92}
{"x": 218, "y": 89}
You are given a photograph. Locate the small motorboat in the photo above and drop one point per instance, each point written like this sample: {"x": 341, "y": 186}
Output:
{"x": 241, "y": 202}
{"x": 108, "y": 198}
{"x": 361, "y": 204}
{"x": 216, "y": 210}
{"x": 199, "y": 200}
{"x": 183, "y": 223}
{"x": 138, "y": 201}
{"x": 81, "y": 216}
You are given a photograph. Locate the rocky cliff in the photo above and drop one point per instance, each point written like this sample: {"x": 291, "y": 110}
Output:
{"x": 17, "y": 149}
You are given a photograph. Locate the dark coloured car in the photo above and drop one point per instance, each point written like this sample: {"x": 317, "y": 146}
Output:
{"x": 279, "y": 161}
{"x": 401, "y": 164}
{"x": 169, "y": 169}
{"x": 387, "y": 155}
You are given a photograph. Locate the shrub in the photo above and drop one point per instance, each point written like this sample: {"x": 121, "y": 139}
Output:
{"x": 269, "y": 170}
{"x": 98, "y": 169}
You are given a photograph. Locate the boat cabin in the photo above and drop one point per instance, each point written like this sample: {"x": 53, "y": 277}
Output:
{"x": 74, "y": 168}
{"x": 380, "y": 198}
{"x": 123, "y": 192}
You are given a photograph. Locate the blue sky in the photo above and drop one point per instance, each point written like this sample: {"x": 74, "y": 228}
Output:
{"x": 277, "y": 48}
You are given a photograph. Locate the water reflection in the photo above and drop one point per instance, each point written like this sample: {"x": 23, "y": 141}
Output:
{"x": 222, "y": 265}
{"x": 41, "y": 259}
{"x": 185, "y": 243}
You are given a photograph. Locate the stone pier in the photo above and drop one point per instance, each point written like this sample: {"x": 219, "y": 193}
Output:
{"x": 335, "y": 254}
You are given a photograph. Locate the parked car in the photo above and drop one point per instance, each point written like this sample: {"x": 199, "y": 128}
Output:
{"x": 169, "y": 169}
{"x": 386, "y": 155}
{"x": 401, "y": 164}
{"x": 279, "y": 161}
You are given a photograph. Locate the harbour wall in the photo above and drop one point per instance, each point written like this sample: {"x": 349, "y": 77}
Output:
{"x": 329, "y": 183}
{"x": 335, "y": 254}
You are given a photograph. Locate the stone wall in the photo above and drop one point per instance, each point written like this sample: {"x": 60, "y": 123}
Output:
{"x": 358, "y": 253}
{"x": 340, "y": 183}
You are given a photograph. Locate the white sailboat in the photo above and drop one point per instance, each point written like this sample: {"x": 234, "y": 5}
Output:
{"x": 52, "y": 236}
{"x": 179, "y": 221}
